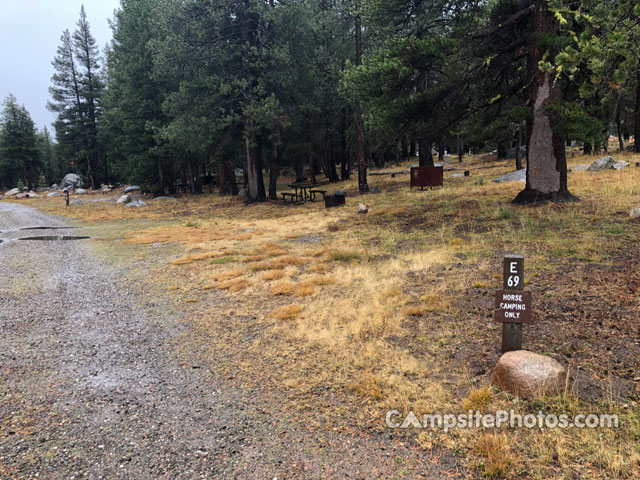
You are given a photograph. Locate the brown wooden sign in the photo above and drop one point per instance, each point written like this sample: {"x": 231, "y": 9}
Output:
{"x": 513, "y": 306}
{"x": 427, "y": 177}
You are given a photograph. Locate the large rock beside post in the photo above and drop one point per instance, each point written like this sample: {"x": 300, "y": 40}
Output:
{"x": 527, "y": 374}
{"x": 71, "y": 181}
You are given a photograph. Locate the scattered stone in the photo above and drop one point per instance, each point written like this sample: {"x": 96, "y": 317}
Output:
{"x": 12, "y": 192}
{"x": 362, "y": 208}
{"x": 54, "y": 186}
{"x": 580, "y": 168}
{"x": 634, "y": 213}
{"x": 375, "y": 190}
{"x": 131, "y": 188}
{"x": 620, "y": 165}
{"x": 137, "y": 203}
{"x": 105, "y": 190}
{"x": 71, "y": 180}
{"x": 242, "y": 193}
{"x": 33, "y": 195}
{"x": 160, "y": 199}
{"x": 53, "y": 194}
{"x": 518, "y": 176}
{"x": 528, "y": 374}
{"x": 124, "y": 199}
{"x": 81, "y": 191}
{"x": 20, "y": 196}
{"x": 604, "y": 163}
{"x": 457, "y": 175}
{"x": 75, "y": 201}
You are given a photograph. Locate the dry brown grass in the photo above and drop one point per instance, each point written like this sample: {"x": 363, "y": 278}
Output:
{"x": 271, "y": 275}
{"x": 287, "y": 312}
{"x": 228, "y": 275}
{"x": 234, "y": 285}
{"x": 282, "y": 288}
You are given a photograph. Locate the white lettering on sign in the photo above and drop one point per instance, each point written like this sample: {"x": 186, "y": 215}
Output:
{"x": 513, "y": 268}
{"x": 511, "y": 297}
{"x": 513, "y": 306}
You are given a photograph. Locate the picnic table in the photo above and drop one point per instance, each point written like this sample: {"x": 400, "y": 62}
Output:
{"x": 302, "y": 192}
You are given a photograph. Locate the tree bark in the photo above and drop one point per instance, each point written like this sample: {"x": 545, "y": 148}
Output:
{"x": 227, "y": 179}
{"x": 363, "y": 186}
{"x": 546, "y": 156}
{"x": 274, "y": 168}
{"x": 300, "y": 178}
{"x": 425, "y": 157}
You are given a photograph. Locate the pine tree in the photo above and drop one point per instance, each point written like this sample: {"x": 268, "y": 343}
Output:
{"x": 19, "y": 156}
{"x": 76, "y": 98}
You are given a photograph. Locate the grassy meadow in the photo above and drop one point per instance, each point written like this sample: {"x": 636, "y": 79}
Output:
{"x": 340, "y": 317}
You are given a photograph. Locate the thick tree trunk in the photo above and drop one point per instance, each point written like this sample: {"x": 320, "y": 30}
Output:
{"x": 546, "y": 156}
{"x": 502, "y": 150}
{"x": 253, "y": 166}
{"x": 425, "y": 156}
{"x": 227, "y": 179}
{"x": 299, "y": 164}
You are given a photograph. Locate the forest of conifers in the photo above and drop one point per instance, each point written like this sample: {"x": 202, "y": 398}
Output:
{"x": 194, "y": 89}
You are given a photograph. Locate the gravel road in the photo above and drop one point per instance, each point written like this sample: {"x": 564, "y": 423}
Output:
{"x": 91, "y": 387}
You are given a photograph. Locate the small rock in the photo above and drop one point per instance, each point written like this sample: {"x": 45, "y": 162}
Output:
{"x": 124, "y": 199}
{"x": 131, "y": 188}
{"x": 635, "y": 213}
{"x": 620, "y": 165}
{"x": 242, "y": 193}
{"x": 159, "y": 199}
{"x": 105, "y": 190}
{"x": 457, "y": 175}
{"x": 362, "y": 208}
{"x": 518, "y": 176}
{"x": 81, "y": 191}
{"x": 54, "y": 186}
{"x": 137, "y": 203}
{"x": 75, "y": 201}
{"x": 12, "y": 192}
{"x": 340, "y": 193}
{"x": 604, "y": 163}
{"x": 375, "y": 190}
{"x": 20, "y": 196}
{"x": 53, "y": 194}
{"x": 33, "y": 195}
{"x": 528, "y": 374}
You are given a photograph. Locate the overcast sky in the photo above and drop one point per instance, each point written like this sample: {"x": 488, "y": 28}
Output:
{"x": 29, "y": 37}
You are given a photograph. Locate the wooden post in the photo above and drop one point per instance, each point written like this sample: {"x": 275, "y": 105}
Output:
{"x": 513, "y": 279}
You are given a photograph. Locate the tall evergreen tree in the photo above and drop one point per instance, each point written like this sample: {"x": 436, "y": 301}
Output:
{"x": 76, "y": 99}
{"x": 19, "y": 155}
